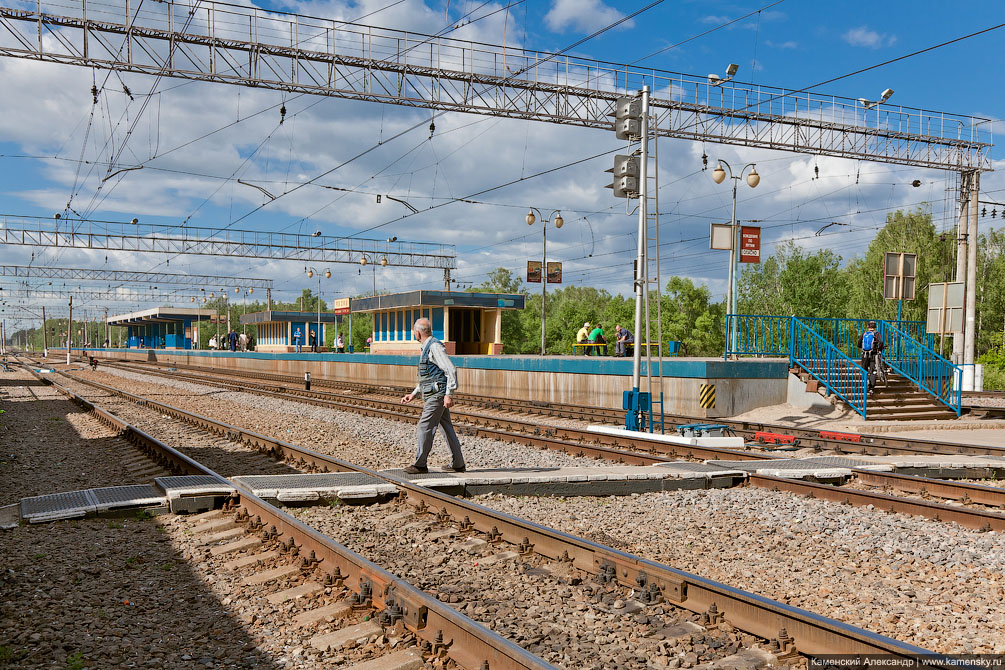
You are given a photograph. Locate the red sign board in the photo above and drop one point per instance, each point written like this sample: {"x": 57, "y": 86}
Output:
{"x": 750, "y": 244}
{"x": 340, "y": 306}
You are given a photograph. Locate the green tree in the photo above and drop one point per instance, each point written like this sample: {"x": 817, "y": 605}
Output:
{"x": 794, "y": 283}
{"x": 690, "y": 317}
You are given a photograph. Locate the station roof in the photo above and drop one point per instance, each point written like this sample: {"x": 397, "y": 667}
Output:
{"x": 438, "y": 299}
{"x": 269, "y": 316}
{"x": 159, "y": 315}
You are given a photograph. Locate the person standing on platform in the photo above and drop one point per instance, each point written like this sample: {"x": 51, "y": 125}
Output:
{"x": 625, "y": 338}
{"x": 597, "y": 339}
{"x": 296, "y": 339}
{"x": 312, "y": 339}
{"x": 582, "y": 336}
{"x": 243, "y": 341}
{"x": 251, "y": 343}
{"x": 233, "y": 340}
{"x": 437, "y": 383}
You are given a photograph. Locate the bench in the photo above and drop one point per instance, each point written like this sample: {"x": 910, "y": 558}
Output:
{"x": 586, "y": 346}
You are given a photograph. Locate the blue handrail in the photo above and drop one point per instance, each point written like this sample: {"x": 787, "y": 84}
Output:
{"x": 939, "y": 377}
{"x": 840, "y": 374}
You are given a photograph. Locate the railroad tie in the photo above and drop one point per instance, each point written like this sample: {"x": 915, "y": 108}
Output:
{"x": 359, "y": 633}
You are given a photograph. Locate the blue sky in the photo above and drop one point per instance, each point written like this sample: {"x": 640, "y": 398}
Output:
{"x": 50, "y": 122}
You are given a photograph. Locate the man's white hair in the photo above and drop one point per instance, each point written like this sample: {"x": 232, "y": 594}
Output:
{"x": 423, "y": 326}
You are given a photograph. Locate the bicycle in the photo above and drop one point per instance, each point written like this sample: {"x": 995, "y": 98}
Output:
{"x": 876, "y": 368}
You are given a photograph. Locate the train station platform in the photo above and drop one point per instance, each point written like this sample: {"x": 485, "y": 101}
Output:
{"x": 699, "y": 387}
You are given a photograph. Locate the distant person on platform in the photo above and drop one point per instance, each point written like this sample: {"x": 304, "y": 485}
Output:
{"x": 340, "y": 344}
{"x": 312, "y": 339}
{"x": 597, "y": 339}
{"x": 583, "y": 335}
{"x": 296, "y": 339}
{"x": 243, "y": 341}
{"x": 212, "y": 342}
{"x": 251, "y": 342}
{"x": 625, "y": 338}
{"x": 233, "y": 340}
{"x": 437, "y": 383}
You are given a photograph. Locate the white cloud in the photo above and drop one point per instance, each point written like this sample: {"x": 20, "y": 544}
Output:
{"x": 862, "y": 36}
{"x": 584, "y": 16}
{"x": 789, "y": 44}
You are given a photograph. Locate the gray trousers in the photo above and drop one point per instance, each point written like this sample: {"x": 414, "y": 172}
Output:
{"x": 435, "y": 414}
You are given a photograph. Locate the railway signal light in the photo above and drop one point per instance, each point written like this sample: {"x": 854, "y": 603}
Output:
{"x": 626, "y": 176}
{"x": 628, "y": 118}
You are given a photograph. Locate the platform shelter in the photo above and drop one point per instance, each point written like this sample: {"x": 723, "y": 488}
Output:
{"x": 467, "y": 323}
{"x": 275, "y": 330}
{"x": 162, "y": 327}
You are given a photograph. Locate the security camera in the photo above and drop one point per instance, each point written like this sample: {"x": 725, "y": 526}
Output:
{"x": 134, "y": 221}
{"x": 57, "y": 216}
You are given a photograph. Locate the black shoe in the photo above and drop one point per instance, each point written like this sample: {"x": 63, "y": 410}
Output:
{"x": 415, "y": 470}
{"x": 451, "y": 468}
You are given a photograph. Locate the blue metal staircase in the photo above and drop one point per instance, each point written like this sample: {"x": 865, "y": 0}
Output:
{"x": 924, "y": 384}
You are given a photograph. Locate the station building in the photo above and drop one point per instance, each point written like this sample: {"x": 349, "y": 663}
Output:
{"x": 276, "y": 330}
{"x": 162, "y": 327}
{"x": 466, "y": 323}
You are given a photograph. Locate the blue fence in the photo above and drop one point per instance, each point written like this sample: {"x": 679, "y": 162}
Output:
{"x": 909, "y": 351}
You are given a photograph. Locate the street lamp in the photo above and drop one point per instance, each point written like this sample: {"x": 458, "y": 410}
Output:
{"x": 559, "y": 221}
{"x": 753, "y": 179}
{"x": 328, "y": 275}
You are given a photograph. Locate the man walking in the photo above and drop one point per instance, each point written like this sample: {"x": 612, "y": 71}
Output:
{"x": 437, "y": 381}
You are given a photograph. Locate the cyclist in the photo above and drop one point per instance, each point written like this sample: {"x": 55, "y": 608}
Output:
{"x": 871, "y": 344}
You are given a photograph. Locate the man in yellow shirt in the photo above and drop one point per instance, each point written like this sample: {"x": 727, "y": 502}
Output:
{"x": 583, "y": 335}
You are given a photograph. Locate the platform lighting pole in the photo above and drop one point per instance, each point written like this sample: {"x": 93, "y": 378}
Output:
{"x": 328, "y": 275}
{"x": 753, "y": 179}
{"x": 559, "y": 221}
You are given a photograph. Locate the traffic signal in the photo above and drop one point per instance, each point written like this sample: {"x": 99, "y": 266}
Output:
{"x": 628, "y": 118}
{"x": 626, "y": 176}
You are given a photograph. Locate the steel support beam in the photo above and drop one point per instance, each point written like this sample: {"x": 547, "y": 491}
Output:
{"x": 248, "y": 46}
{"x": 114, "y": 236}
{"x": 130, "y": 276}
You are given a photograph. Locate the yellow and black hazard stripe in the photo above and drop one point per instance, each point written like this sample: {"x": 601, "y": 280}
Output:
{"x": 706, "y": 396}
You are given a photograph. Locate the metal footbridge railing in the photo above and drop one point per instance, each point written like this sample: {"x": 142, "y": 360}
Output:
{"x": 825, "y": 347}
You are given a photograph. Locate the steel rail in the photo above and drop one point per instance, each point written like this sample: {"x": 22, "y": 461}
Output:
{"x": 789, "y": 628}
{"x": 531, "y": 436}
{"x": 965, "y": 492}
{"x": 473, "y": 644}
{"x": 643, "y": 450}
{"x": 871, "y": 444}
{"x": 975, "y": 519}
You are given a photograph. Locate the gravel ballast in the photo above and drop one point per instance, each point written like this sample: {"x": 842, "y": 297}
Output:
{"x": 933, "y": 584}
{"x": 368, "y": 441}
{"x": 49, "y": 444}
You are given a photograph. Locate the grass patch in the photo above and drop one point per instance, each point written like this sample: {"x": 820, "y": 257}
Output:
{"x": 143, "y": 515}
{"x": 75, "y": 661}
{"x": 115, "y": 524}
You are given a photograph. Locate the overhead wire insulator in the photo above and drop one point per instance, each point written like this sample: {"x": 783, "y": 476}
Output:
{"x": 282, "y": 114}
{"x": 432, "y": 129}
{"x": 94, "y": 93}
{"x": 126, "y": 90}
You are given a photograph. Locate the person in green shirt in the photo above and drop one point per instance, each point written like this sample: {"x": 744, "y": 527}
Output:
{"x": 597, "y": 337}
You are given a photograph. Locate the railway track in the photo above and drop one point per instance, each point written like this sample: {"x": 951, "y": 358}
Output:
{"x": 432, "y": 624}
{"x": 752, "y": 432}
{"x": 972, "y": 514}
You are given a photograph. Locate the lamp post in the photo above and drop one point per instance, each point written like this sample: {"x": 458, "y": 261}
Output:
{"x": 753, "y": 179}
{"x": 559, "y": 221}
{"x": 328, "y": 274}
